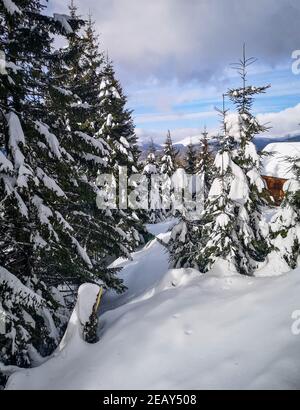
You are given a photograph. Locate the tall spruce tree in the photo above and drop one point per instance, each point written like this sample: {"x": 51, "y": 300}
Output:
{"x": 191, "y": 159}
{"x": 35, "y": 237}
{"x": 118, "y": 132}
{"x": 204, "y": 164}
{"x": 225, "y": 230}
{"x": 195, "y": 181}
{"x": 228, "y": 232}
{"x": 169, "y": 157}
{"x": 151, "y": 170}
{"x": 248, "y": 159}
{"x": 74, "y": 106}
{"x": 117, "y": 125}
{"x": 186, "y": 233}
{"x": 168, "y": 166}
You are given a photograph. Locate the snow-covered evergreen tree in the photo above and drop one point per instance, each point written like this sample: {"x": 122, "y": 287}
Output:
{"x": 31, "y": 316}
{"x": 285, "y": 225}
{"x": 118, "y": 127}
{"x": 204, "y": 164}
{"x": 195, "y": 180}
{"x": 224, "y": 230}
{"x": 51, "y": 231}
{"x": 168, "y": 166}
{"x": 169, "y": 157}
{"x": 248, "y": 159}
{"x": 89, "y": 81}
{"x": 151, "y": 169}
{"x": 74, "y": 109}
{"x": 191, "y": 159}
{"x": 185, "y": 235}
{"x": 227, "y": 231}
{"x": 182, "y": 244}
{"x": 34, "y": 236}
{"x": 118, "y": 132}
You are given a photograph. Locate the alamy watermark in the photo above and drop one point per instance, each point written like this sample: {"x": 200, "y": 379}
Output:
{"x": 2, "y": 321}
{"x": 295, "y": 328}
{"x": 2, "y": 63}
{"x": 181, "y": 191}
{"x": 296, "y": 63}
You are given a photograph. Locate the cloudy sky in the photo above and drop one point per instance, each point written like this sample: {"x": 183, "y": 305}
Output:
{"x": 173, "y": 58}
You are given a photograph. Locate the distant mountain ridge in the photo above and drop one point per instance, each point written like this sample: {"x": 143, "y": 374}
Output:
{"x": 260, "y": 143}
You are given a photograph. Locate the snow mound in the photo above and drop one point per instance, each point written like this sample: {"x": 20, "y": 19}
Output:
{"x": 177, "y": 278}
{"x": 87, "y": 295}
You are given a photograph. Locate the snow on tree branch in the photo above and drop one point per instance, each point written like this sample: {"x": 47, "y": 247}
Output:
{"x": 11, "y": 7}
{"x": 63, "y": 19}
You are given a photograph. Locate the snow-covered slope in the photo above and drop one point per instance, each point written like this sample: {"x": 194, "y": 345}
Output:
{"x": 179, "y": 329}
{"x": 188, "y": 140}
{"x": 147, "y": 267}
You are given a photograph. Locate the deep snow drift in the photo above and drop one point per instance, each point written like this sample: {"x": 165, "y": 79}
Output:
{"x": 177, "y": 329}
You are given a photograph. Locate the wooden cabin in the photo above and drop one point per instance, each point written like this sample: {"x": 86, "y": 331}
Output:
{"x": 276, "y": 167}
{"x": 275, "y": 187}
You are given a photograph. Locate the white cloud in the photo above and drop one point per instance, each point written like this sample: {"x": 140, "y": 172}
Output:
{"x": 191, "y": 39}
{"x": 148, "y": 118}
{"x": 283, "y": 123}
{"x": 157, "y": 45}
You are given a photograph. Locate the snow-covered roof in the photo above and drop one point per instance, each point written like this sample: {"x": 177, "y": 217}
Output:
{"x": 276, "y": 165}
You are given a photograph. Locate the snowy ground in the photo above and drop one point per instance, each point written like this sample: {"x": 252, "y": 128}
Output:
{"x": 177, "y": 329}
